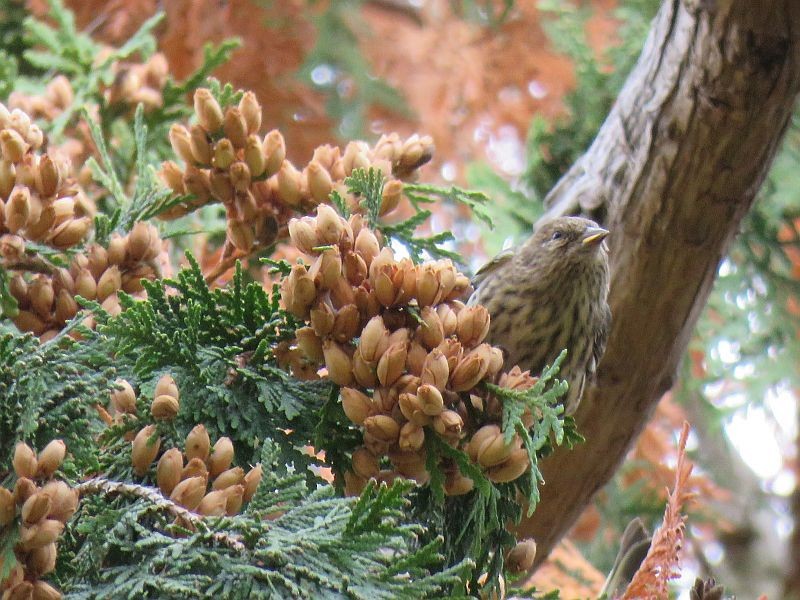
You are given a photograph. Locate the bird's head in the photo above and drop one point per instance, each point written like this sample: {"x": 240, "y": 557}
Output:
{"x": 566, "y": 240}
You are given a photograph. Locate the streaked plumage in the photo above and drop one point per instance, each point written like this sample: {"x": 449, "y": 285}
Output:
{"x": 548, "y": 295}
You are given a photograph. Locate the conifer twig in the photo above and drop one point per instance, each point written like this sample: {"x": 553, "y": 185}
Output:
{"x": 152, "y": 495}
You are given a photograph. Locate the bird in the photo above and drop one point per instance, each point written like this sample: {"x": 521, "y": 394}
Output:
{"x": 550, "y": 294}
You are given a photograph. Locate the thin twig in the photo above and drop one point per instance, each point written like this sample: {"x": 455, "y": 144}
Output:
{"x": 152, "y": 495}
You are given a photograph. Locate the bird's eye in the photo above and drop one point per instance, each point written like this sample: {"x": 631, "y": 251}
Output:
{"x": 557, "y": 235}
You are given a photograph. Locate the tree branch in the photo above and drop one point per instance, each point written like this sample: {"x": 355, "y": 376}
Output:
{"x": 672, "y": 172}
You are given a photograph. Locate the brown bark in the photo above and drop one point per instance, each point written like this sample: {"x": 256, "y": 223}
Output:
{"x": 672, "y": 172}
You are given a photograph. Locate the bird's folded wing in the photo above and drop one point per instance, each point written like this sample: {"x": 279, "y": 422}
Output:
{"x": 491, "y": 267}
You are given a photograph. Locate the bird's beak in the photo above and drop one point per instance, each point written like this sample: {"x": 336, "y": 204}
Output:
{"x": 593, "y": 236}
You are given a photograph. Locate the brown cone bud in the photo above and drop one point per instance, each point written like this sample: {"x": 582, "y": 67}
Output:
{"x": 289, "y": 184}
{"x": 195, "y": 468}
{"x": 241, "y": 235}
{"x": 485, "y": 434}
{"x": 28, "y": 321}
{"x": 168, "y": 472}
{"x": 47, "y": 176}
{"x": 346, "y": 324}
{"x": 50, "y": 458}
{"x": 166, "y": 386}
{"x": 391, "y": 196}
{"x": 207, "y": 109}
{"x": 251, "y": 112}
{"x": 181, "y": 142}
{"x": 367, "y": 246}
{"x": 456, "y": 484}
{"x": 142, "y": 452}
{"x": 515, "y": 466}
{"x": 520, "y": 558}
{"x": 469, "y": 371}
{"x": 41, "y": 561}
{"x": 382, "y": 427}
{"x": 139, "y": 241}
{"x": 66, "y": 307}
{"x": 310, "y": 344}
{"x": 320, "y": 183}
{"x": 411, "y": 409}
{"x": 20, "y": 591}
{"x": 24, "y": 461}
{"x": 189, "y": 492}
{"x": 109, "y": 283}
{"x": 221, "y": 457}
{"x": 392, "y": 363}
{"x": 365, "y": 464}
{"x": 200, "y": 145}
{"x": 240, "y": 178}
{"x": 329, "y": 226}
{"x": 42, "y": 533}
{"x": 8, "y": 176}
{"x": 254, "y": 156}
{"x": 303, "y": 234}
{"x": 353, "y": 484}
{"x": 123, "y": 398}
{"x": 251, "y": 482}
{"x": 412, "y": 437}
{"x": 374, "y": 340}
{"x": 357, "y": 405}
{"x": 234, "y": 126}
{"x": 431, "y": 330}
{"x": 428, "y": 290}
{"x": 448, "y": 424}
{"x": 44, "y": 591}
{"x": 70, "y": 232}
{"x": 8, "y": 509}
{"x": 17, "y": 209}
{"x": 164, "y": 408}
{"x": 85, "y": 285}
{"x": 234, "y": 497}
{"x": 197, "y": 443}
{"x": 430, "y": 399}
{"x": 36, "y": 508}
{"x": 12, "y": 146}
{"x": 41, "y": 295}
{"x": 493, "y": 450}
{"x": 228, "y": 478}
{"x": 63, "y": 500}
{"x": 338, "y": 363}
{"x": 213, "y": 504}
{"x": 274, "y": 151}
{"x": 473, "y": 325}
{"x": 24, "y": 488}
{"x": 364, "y": 372}
{"x": 435, "y": 370}
{"x": 172, "y": 175}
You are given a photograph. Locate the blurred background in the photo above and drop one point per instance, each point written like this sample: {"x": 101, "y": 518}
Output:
{"x": 512, "y": 92}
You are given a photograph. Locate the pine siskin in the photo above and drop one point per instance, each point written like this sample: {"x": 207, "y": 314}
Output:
{"x": 549, "y": 295}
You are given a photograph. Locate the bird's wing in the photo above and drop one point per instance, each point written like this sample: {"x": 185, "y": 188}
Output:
{"x": 600, "y": 339}
{"x": 492, "y": 266}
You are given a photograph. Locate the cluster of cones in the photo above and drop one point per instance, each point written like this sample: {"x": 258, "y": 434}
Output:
{"x": 200, "y": 478}
{"x": 407, "y": 352}
{"x": 47, "y": 301}
{"x": 39, "y": 506}
{"x": 226, "y": 160}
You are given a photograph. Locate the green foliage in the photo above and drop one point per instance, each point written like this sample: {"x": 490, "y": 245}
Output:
{"x": 368, "y": 185}
{"x": 149, "y": 198}
{"x": 312, "y": 545}
{"x": 49, "y": 391}
{"x": 473, "y": 525}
